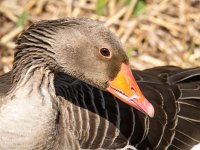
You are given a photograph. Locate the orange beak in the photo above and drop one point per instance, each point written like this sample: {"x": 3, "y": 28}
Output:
{"x": 126, "y": 89}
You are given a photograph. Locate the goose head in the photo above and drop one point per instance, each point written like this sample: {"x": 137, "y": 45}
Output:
{"x": 85, "y": 49}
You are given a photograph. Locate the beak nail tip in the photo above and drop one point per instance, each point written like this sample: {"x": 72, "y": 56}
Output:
{"x": 151, "y": 111}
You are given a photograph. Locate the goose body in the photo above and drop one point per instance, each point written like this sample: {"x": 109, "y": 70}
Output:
{"x": 46, "y": 104}
{"x": 28, "y": 109}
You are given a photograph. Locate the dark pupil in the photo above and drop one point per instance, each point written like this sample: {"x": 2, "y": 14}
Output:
{"x": 105, "y": 52}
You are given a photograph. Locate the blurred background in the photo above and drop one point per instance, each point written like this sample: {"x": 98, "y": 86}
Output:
{"x": 154, "y": 32}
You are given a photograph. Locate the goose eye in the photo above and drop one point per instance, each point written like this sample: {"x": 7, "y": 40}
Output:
{"x": 105, "y": 52}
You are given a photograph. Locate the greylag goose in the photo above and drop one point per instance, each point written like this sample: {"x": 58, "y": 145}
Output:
{"x": 59, "y": 94}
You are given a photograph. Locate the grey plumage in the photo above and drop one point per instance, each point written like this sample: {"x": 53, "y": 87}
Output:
{"x": 45, "y": 106}
{"x": 29, "y": 103}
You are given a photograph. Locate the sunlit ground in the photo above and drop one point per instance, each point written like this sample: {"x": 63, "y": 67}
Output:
{"x": 154, "y": 32}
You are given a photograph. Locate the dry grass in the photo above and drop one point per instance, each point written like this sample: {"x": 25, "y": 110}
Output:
{"x": 154, "y": 32}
